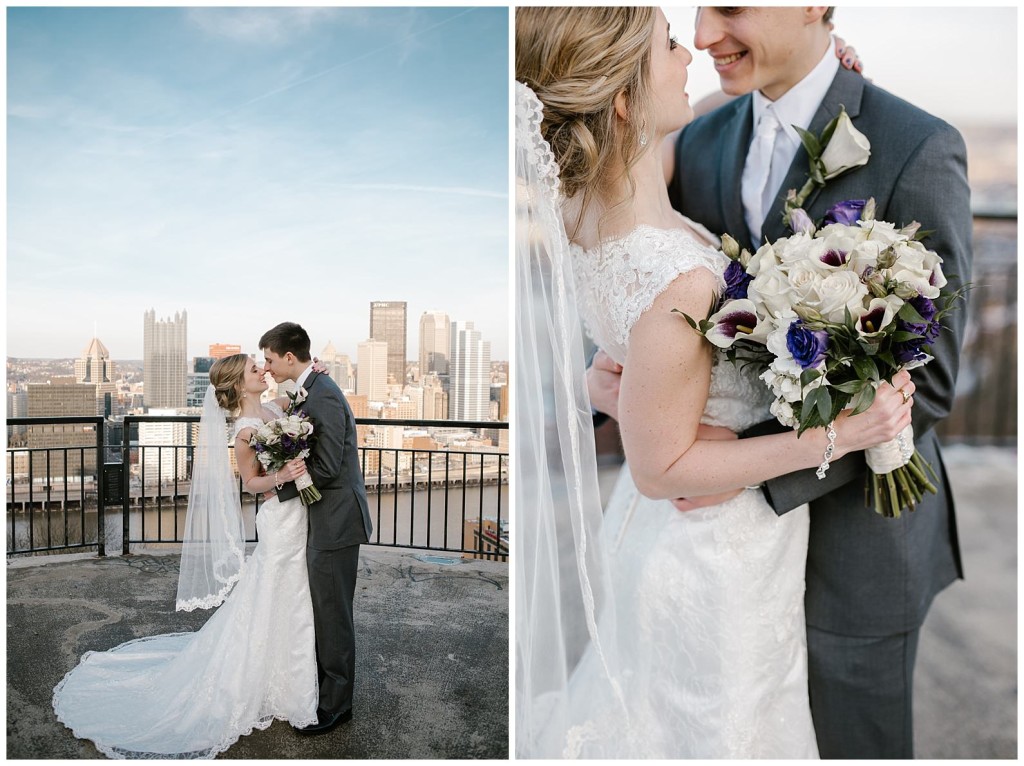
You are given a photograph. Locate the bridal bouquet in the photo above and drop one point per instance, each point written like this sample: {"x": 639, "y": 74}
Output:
{"x": 827, "y": 314}
{"x": 285, "y": 439}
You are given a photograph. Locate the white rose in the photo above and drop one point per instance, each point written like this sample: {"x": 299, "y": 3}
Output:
{"x": 865, "y": 255}
{"x": 794, "y": 248}
{"x": 764, "y": 258}
{"x": 915, "y": 265}
{"x": 770, "y": 290}
{"x": 840, "y": 290}
{"x": 806, "y": 279}
{"x": 882, "y": 231}
{"x": 848, "y": 148}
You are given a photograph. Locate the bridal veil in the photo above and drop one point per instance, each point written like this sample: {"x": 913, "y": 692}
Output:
{"x": 563, "y": 590}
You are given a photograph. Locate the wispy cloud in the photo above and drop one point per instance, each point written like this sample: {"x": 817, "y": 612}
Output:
{"x": 264, "y": 26}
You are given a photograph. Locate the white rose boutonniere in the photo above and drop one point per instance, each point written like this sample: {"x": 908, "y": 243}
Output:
{"x": 839, "y": 148}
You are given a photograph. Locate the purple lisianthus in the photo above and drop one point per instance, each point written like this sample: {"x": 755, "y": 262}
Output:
{"x": 909, "y": 351}
{"x": 736, "y": 281}
{"x": 846, "y": 212}
{"x": 808, "y": 347}
{"x": 925, "y": 307}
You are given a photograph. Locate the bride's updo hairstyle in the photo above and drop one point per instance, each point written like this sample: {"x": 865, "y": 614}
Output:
{"x": 577, "y": 60}
{"x": 226, "y": 376}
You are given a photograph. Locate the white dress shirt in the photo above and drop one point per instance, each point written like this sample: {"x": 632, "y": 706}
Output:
{"x": 302, "y": 378}
{"x": 796, "y": 106}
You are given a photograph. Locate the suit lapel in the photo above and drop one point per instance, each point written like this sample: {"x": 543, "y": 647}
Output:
{"x": 846, "y": 90}
{"x": 732, "y": 156}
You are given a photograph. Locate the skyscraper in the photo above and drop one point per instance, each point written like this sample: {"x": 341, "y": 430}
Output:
{"x": 435, "y": 341}
{"x": 165, "y": 361}
{"x": 372, "y": 370}
{"x": 94, "y": 367}
{"x": 470, "y": 373}
{"x": 221, "y": 350}
{"x": 199, "y": 380}
{"x": 339, "y": 366}
{"x": 387, "y": 323}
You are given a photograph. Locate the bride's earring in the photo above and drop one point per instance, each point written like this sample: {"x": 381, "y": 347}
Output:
{"x": 643, "y": 138}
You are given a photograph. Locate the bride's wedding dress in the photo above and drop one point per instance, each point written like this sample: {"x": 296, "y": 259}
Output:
{"x": 192, "y": 695}
{"x": 711, "y": 639}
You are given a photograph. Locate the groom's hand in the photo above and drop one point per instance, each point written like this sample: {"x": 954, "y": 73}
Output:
{"x": 603, "y": 379}
{"x": 708, "y": 433}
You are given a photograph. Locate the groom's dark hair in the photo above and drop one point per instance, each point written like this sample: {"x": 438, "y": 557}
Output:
{"x": 286, "y": 337}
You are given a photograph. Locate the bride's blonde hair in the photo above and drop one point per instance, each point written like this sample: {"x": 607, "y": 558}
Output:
{"x": 577, "y": 60}
{"x": 227, "y": 375}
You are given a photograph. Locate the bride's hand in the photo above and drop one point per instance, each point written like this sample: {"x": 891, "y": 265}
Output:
{"x": 604, "y": 377}
{"x": 290, "y": 471}
{"x": 320, "y": 367}
{"x": 847, "y": 55}
{"x": 888, "y": 414}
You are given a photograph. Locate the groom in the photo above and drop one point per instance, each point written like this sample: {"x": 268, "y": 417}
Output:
{"x": 338, "y": 522}
{"x": 870, "y": 580}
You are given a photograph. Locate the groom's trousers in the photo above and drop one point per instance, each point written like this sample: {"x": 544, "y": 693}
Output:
{"x": 334, "y": 574}
{"x": 861, "y": 692}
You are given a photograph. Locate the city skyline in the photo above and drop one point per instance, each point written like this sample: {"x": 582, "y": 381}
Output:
{"x": 189, "y": 157}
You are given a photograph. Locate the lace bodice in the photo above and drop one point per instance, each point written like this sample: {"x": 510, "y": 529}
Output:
{"x": 241, "y": 424}
{"x": 620, "y": 279}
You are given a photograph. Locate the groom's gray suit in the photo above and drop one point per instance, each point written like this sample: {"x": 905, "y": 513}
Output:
{"x": 870, "y": 580}
{"x": 338, "y": 523}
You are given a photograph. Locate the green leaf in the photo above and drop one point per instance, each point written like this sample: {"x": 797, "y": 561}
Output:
{"x": 850, "y": 386}
{"x": 808, "y": 376}
{"x": 902, "y": 336}
{"x": 689, "y": 320}
{"x": 863, "y": 400}
{"x": 820, "y": 401}
{"x": 810, "y": 142}
{"x": 909, "y": 314}
{"x": 865, "y": 368}
{"x": 817, "y": 173}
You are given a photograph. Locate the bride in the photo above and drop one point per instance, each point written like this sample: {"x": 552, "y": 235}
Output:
{"x": 646, "y": 632}
{"x": 192, "y": 695}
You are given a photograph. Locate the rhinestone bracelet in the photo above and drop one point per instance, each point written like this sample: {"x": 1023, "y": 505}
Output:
{"x": 829, "y": 450}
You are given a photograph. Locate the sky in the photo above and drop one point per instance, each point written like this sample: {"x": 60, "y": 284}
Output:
{"x": 251, "y": 166}
{"x": 957, "y": 63}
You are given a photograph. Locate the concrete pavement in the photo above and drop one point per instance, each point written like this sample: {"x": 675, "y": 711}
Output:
{"x": 432, "y": 653}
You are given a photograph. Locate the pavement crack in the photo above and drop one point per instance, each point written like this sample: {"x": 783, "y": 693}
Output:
{"x": 75, "y": 632}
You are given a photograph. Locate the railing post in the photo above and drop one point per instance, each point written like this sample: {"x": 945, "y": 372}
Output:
{"x": 101, "y": 528}
{"x": 125, "y": 483}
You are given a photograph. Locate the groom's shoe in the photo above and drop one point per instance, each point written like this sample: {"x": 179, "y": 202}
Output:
{"x": 325, "y": 722}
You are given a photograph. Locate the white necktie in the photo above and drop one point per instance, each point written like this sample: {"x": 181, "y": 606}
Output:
{"x": 754, "y": 189}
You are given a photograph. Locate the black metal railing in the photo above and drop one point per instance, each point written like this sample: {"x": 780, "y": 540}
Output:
{"x": 448, "y": 500}
{"x": 985, "y": 411}
{"x": 49, "y": 507}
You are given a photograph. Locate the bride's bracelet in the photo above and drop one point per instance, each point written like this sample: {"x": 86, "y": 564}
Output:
{"x": 830, "y": 450}
{"x": 277, "y": 483}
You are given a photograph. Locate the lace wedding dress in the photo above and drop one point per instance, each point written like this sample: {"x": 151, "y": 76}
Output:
{"x": 192, "y": 695}
{"x": 711, "y": 635}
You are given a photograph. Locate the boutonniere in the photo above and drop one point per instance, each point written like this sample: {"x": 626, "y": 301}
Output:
{"x": 839, "y": 148}
{"x": 295, "y": 399}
